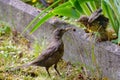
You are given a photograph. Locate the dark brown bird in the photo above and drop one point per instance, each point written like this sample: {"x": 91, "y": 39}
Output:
{"x": 52, "y": 54}
{"x": 96, "y": 22}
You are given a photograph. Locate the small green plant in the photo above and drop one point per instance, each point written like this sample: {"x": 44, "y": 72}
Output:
{"x": 111, "y": 8}
{"x": 75, "y": 8}
{"x": 38, "y": 47}
{"x": 71, "y": 8}
{"x": 4, "y": 29}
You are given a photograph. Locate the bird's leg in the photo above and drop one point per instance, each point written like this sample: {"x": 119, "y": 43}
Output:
{"x": 47, "y": 69}
{"x": 55, "y": 67}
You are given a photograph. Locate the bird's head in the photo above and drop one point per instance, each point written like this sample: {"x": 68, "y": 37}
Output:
{"x": 58, "y": 33}
{"x": 83, "y": 20}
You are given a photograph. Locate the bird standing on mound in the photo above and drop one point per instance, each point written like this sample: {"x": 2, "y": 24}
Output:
{"x": 96, "y": 22}
{"x": 52, "y": 54}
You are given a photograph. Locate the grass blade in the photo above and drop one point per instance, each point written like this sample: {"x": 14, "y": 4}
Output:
{"x": 108, "y": 12}
{"x": 92, "y": 5}
{"x": 67, "y": 11}
{"x": 35, "y": 19}
{"x": 46, "y": 17}
{"x": 85, "y": 9}
{"x": 119, "y": 36}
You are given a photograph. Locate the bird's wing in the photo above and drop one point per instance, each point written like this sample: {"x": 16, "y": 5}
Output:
{"x": 47, "y": 53}
{"x": 95, "y": 15}
{"x": 103, "y": 20}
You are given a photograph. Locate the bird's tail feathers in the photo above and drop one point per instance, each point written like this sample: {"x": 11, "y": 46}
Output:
{"x": 19, "y": 67}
